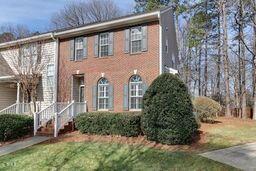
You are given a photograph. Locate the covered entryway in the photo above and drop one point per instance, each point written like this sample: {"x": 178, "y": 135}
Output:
{"x": 78, "y": 88}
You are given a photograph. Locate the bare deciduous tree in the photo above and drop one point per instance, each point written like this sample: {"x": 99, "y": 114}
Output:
{"x": 83, "y": 12}
{"x": 28, "y": 63}
{"x": 17, "y": 31}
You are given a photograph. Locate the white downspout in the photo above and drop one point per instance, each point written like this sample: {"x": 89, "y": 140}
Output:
{"x": 56, "y": 59}
{"x": 160, "y": 45}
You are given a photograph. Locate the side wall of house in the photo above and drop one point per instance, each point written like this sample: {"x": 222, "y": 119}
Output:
{"x": 45, "y": 92}
{"x": 8, "y": 94}
{"x": 117, "y": 68}
{"x": 170, "y": 56}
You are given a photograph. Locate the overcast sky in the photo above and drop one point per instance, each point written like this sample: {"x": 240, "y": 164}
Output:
{"x": 36, "y": 14}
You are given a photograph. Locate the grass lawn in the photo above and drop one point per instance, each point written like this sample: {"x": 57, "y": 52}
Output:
{"x": 91, "y": 152}
{"x": 226, "y": 133}
{"x": 103, "y": 156}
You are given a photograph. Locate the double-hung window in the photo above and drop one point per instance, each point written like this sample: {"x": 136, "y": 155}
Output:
{"x": 136, "y": 92}
{"x": 79, "y": 50}
{"x": 136, "y": 39}
{"x": 50, "y": 75}
{"x": 103, "y": 94}
{"x": 103, "y": 44}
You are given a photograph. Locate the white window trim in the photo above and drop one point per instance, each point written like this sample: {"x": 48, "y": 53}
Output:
{"x": 105, "y": 97}
{"x": 137, "y": 96}
{"x": 48, "y": 76}
{"x": 131, "y": 41}
{"x": 82, "y": 38}
{"x": 101, "y": 45}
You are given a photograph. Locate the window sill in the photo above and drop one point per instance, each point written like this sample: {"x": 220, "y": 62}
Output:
{"x": 135, "y": 110}
{"x": 136, "y": 53}
{"x": 103, "y": 57}
{"x": 80, "y": 60}
{"x": 103, "y": 110}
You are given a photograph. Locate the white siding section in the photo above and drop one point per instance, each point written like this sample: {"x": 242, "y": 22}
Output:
{"x": 7, "y": 95}
{"x": 45, "y": 92}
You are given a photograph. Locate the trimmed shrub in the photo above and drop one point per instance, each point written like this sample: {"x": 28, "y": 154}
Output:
{"x": 206, "y": 108}
{"x": 167, "y": 115}
{"x": 106, "y": 123}
{"x": 15, "y": 126}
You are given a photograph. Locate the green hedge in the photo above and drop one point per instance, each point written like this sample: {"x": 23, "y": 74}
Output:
{"x": 106, "y": 123}
{"x": 15, "y": 126}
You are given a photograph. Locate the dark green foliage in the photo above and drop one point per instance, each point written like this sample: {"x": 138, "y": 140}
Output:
{"x": 167, "y": 115}
{"x": 15, "y": 126}
{"x": 106, "y": 123}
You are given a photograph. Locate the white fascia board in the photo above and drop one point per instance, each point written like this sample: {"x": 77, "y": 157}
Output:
{"x": 110, "y": 24}
{"x": 26, "y": 40}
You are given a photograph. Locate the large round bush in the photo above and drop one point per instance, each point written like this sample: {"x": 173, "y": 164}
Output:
{"x": 206, "y": 108}
{"x": 167, "y": 115}
{"x": 15, "y": 126}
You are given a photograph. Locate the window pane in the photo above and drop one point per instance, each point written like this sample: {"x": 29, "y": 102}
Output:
{"x": 103, "y": 93}
{"x": 104, "y": 43}
{"x": 136, "y": 46}
{"x": 136, "y": 92}
{"x": 79, "y": 54}
{"x": 50, "y": 70}
{"x": 79, "y": 48}
{"x": 50, "y": 81}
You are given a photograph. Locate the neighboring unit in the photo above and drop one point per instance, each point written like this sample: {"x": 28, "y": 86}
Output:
{"x": 14, "y": 56}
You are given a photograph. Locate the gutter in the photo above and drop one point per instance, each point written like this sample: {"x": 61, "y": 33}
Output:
{"x": 5, "y": 78}
{"x": 26, "y": 40}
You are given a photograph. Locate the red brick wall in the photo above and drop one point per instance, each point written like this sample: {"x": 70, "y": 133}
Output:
{"x": 117, "y": 68}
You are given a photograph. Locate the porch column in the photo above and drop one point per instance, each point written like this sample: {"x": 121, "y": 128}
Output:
{"x": 18, "y": 98}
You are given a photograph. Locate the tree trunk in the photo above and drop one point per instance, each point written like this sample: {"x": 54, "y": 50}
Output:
{"x": 243, "y": 74}
{"x": 218, "y": 62}
{"x": 206, "y": 53}
{"x": 199, "y": 71}
{"x": 225, "y": 57}
{"x": 254, "y": 61}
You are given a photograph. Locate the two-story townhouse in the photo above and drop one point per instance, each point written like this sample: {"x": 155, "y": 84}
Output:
{"x": 110, "y": 64}
{"x": 10, "y": 89}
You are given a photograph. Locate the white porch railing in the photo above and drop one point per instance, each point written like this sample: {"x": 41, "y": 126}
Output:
{"x": 17, "y": 108}
{"x": 67, "y": 114}
{"x": 42, "y": 117}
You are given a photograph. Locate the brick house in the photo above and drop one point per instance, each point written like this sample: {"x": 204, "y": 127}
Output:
{"x": 110, "y": 64}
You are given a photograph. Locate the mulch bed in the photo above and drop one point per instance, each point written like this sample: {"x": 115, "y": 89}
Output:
{"x": 196, "y": 146}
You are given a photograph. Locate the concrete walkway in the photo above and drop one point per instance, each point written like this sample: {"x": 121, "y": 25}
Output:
{"x": 242, "y": 157}
{"x": 22, "y": 144}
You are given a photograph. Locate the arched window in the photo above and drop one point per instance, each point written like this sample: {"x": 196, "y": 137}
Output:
{"x": 135, "y": 92}
{"x": 103, "y": 94}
